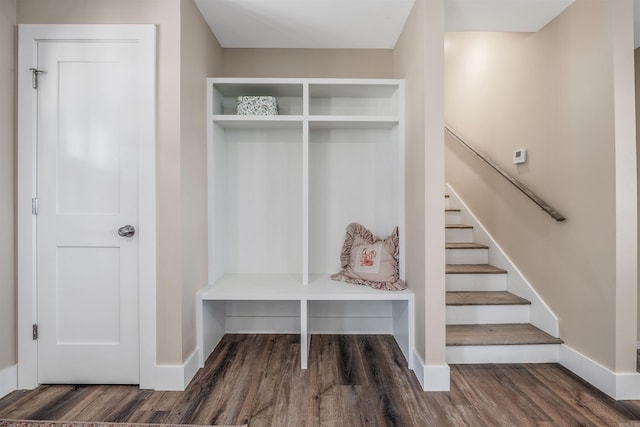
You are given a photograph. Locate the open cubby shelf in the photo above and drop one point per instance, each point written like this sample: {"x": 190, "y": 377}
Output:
{"x": 282, "y": 190}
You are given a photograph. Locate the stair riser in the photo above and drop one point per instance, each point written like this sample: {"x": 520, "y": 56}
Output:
{"x": 458, "y": 235}
{"x": 536, "y": 353}
{"x": 447, "y": 204}
{"x": 467, "y": 256}
{"x": 452, "y": 217}
{"x": 476, "y": 282}
{"x": 487, "y": 314}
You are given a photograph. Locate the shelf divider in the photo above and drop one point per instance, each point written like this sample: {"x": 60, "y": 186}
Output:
{"x": 305, "y": 186}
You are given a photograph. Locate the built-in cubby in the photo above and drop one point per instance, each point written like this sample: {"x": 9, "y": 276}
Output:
{"x": 223, "y": 99}
{"x": 255, "y": 201}
{"x": 282, "y": 189}
{"x": 353, "y": 177}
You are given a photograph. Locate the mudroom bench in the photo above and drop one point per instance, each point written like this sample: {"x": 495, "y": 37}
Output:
{"x": 290, "y": 164}
{"x": 315, "y": 305}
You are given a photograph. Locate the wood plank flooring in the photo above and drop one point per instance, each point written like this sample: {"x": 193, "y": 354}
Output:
{"x": 498, "y": 334}
{"x": 484, "y": 298}
{"x": 473, "y": 269}
{"x": 351, "y": 381}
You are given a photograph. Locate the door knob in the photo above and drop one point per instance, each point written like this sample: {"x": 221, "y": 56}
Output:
{"x": 127, "y": 231}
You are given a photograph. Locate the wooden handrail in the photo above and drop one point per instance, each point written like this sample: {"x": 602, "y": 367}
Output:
{"x": 530, "y": 194}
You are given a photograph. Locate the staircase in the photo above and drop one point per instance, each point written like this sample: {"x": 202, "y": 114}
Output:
{"x": 485, "y": 322}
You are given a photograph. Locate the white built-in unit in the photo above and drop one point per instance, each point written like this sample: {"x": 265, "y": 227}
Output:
{"x": 282, "y": 190}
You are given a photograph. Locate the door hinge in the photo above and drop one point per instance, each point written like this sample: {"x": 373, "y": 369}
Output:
{"x": 34, "y": 206}
{"x": 34, "y": 77}
{"x": 35, "y": 331}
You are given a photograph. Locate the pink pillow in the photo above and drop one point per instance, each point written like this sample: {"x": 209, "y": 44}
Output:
{"x": 367, "y": 260}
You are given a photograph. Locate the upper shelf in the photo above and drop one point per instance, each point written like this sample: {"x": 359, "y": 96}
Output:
{"x": 296, "y": 122}
{"x": 352, "y": 122}
{"x": 225, "y": 94}
{"x": 315, "y": 97}
{"x": 353, "y": 99}
{"x": 257, "y": 122}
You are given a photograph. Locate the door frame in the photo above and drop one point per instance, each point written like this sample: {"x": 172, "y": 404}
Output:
{"x": 28, "y": 38}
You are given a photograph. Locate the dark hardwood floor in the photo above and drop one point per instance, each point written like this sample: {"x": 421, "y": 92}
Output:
{"x": 351, "y": 381}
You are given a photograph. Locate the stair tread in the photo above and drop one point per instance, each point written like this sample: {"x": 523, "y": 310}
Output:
{"x": 502, "y": 334}
{"x": 485, "y": 298}
{"x": 473, "y": 269}
{"x": 457, "y": 226}
{"x": 466, "y": 245}
{"x": 452, "y": 210}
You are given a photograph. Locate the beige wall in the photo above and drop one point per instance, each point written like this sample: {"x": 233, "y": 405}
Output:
{"x": 418, "y": 58}
{"x": 434, "y": 262}
{"x": 166, "y": 14}
{"x": 200, "y": 58}
{"x": 552, "y": 92}
{"x": 626, "y": 286}
{"x": 321, "y": 63}
{"x": 8, "y": 347}
{"x": 409, "y": 64}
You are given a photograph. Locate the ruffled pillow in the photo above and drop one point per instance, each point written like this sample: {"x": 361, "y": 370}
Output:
{"x": 367, "y": 260}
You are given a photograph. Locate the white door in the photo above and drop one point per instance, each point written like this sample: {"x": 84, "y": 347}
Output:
{"x": 87, "y": 274}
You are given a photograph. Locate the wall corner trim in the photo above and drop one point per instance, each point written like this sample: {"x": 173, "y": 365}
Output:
{"x": 8, "y": 380}
{"x": 177, "y": 377}
{"x": 431, "y": 377}
{"x": 620, "y": 386}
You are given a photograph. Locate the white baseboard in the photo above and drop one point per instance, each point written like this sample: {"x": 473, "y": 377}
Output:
{"x": 620, "y": 386}
{"x": 418, "y": 368}
{"x": 262, "y": 325}
{"x": 431, "y": 377}
{"x": 351, "y": 325}
{"x": 191, "y": 367}
{"x": 8, "y": 380}
{"x": 177, "y": 377}
{"x": 344, "y": 325}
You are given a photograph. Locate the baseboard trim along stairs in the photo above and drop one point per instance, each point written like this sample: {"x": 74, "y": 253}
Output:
{"x": 486, "y": 321}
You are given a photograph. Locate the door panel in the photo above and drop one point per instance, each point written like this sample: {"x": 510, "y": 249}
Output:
{"x": 89, "y": 156}
{"x": 97, "y": 285}
{"x": 87, "y": 189}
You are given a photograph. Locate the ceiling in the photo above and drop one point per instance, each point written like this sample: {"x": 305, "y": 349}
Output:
{"x": 364, "y": 24}
{"x": 526, "y": 16}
